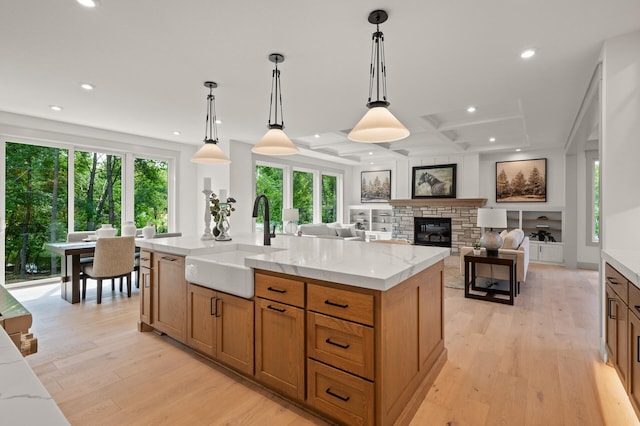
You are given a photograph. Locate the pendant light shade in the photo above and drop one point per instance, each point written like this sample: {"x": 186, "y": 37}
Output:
{"x": 275, "y": 141}
{"x": 378, "y": 124}
{"x": 210, "y": 152}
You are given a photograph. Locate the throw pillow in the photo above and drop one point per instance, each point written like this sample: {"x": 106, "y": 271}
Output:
{"x": 503, "y": 234}
{"x": 513, "y": 239}
{"x": 344, "y": 232}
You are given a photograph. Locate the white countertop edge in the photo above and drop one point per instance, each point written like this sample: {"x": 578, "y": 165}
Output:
{"x": 627, "y": 262}
{"x": 372, "y": 283}
{"x": 23, "y": 398}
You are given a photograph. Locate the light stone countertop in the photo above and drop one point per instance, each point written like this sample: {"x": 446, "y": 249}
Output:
{"x": 374, "y": 266}
{"x": 23, "y": 399}
{"x": 627, "y": 262}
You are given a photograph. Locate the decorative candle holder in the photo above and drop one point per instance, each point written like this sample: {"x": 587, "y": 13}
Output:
{"x": 207, "y": 235}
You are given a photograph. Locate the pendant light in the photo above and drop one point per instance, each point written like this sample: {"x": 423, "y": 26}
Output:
{"x": 378, "y": 124}
{"x": 210, "y": 152}
{"x": 275, "y": 141}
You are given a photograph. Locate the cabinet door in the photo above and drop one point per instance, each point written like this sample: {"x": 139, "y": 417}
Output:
{"x": 234, "y": 332}
{"x": 201, "y": 316}
{"x": 534, "y": 250}
{"x": 169, "y": 296}
{"x": 634, "y": 362}
{"x": 280, "y": 347}
{"x": 551, "y": 253}
{"x": 145, "y": 296}
{"x": 616, "y": 338}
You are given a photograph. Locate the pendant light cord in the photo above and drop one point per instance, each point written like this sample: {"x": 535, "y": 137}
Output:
{"x": 276, "y": 86}
{"x": 210, "y": 125}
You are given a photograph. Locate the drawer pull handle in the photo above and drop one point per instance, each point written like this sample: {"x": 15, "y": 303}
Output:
{"x": 170, "y": 259}
{"x": 340, "y": 345}
{"x": 637, "y": 348}
{"x": 337, "y": 305}
{"x": 612, "y": 280}
{"x": 276, "y": 309}
{"x": 211, "y": 300}
{"x": 637, "y": 308}
{"x": 610, "y": 314}
{"x": 335, "y": 395}
{"x": 144, "y": 259}
{"x": 276, "y": 290}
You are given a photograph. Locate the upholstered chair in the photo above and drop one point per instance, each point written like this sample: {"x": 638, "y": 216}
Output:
{"x": 113, "y": 258}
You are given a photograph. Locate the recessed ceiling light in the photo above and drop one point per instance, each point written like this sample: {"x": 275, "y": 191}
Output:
{"x": 177, "y": 133}
{"x": 87, "y": 86}
{"x": 529, "y": 53}
{"x": 492, "y": 139}
{"x": 56, "y": 107}
{"x": 371, "y": 162}
{"x": 370, "y": 153}
{"x": 518, "y": 150}
{"x": 88, "y": 3}
{"x": 218, "y": 121}
{"x": 471, "y": 109}
{"x": 316, "y": 136}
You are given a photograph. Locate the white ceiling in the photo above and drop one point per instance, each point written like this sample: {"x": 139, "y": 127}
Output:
{"x": 149, "y": 58}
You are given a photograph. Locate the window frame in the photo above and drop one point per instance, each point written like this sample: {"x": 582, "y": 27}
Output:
{"x": 592, "y": 157}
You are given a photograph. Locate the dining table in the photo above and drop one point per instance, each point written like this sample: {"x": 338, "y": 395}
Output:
{"x": 70, "y": 266}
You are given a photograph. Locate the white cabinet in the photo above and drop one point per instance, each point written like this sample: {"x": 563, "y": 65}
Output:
{"x": 540, "y": 251}
{"x": 376, "y": 219}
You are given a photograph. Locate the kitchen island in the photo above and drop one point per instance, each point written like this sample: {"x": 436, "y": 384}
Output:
{"x": 350, "y": 330}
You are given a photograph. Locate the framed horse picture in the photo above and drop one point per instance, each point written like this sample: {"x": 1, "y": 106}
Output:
{"x": 434, "y": 181}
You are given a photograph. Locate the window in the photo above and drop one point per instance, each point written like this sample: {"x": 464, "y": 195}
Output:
{"x": 329, "y": 198}
{"x": 593, "y": 197}
{"x": 36, "y": 205}
{"x": 303, "y": 195}
{"x": 97, "y": 190}
{"x": 270, "y": 182}
{"x": 151, "y": 193}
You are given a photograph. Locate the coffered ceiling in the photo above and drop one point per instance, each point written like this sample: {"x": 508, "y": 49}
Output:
{"x": 148, "y": 60}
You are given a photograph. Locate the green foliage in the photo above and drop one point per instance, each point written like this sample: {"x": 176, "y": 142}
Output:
{"x": 269, "y": 183}
{"x": 151, "y": 193}
{"x": 329, "y": 199}
{"x": 303, "y": 195}
{"x": 36, "y": 206}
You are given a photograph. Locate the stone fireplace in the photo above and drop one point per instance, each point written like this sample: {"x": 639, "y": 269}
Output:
{"x": 463, "y": 213}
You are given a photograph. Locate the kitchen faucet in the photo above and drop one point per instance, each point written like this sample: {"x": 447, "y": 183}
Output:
{"x": 267, "y": 235}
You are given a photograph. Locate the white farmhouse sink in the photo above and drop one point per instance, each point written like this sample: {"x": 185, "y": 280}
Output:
{"x": 224, "y": 271}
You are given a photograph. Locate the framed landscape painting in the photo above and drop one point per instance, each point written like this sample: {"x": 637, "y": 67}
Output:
{"x": 523, "y": 181}
{"x": 434, "y": 181}
{"x": 375, "y": 186}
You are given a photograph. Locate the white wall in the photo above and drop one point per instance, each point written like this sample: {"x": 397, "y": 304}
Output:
{"x": 620, "y": 149}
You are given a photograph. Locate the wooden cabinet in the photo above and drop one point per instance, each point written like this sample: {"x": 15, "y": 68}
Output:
{"x": 169, "y": 296}
{"x": 279, "y": 334}
{"x": 616, "y": 336}
{"x": 634, "y": 348}
{"x": 220, "y": 325}
{"x": 146, "y": 289}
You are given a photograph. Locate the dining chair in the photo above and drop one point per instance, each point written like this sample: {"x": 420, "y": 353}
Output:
{"x": 113, "y": 258}
{"x": 79, "y": 236}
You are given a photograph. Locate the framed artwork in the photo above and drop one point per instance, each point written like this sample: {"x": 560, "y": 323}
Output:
{"x": 434, "y": 181}
{"x": 522, "y": 181}
{"x": 375, "y": 186}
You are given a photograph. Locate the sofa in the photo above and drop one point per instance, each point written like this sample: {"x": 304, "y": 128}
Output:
{"x": 514, "y": 242}
{"x": 333, "y": 230}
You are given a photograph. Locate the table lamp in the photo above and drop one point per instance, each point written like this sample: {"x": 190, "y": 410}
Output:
{"x": 290, "y": 216}
{"x": 492, "y": 218}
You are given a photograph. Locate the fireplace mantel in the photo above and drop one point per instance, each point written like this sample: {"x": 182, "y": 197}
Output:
{"x": 437, "y": 202}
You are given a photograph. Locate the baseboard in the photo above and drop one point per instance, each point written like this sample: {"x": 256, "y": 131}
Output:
{"x": 588, "y": 265}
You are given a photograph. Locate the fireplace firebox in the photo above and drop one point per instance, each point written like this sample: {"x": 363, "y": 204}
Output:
{"x": 432, "y": 231}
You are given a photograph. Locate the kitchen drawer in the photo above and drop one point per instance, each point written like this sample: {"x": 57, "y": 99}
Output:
{"x": 343, "y": 304}
{"x": 340, "y": 395}
{"x": 343, "y": 344}
{"x": 634, "y": 299}
{"x": 619, "y": 283}
{"x": 145, "y": 259}
{"x": 279, "y": 289}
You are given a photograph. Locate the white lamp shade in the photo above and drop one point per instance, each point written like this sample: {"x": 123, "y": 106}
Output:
{"x": 290, "y": 215}
{"x": 275, "y": 142}
{"x": 210, "y": 153}
{"x": 378, "y": 125}
{"x": 492, "y": 218}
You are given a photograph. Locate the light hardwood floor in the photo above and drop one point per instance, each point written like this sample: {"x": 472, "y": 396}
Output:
{"x": 535, "y": 363}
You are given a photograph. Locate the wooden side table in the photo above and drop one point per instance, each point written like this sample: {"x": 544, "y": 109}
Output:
{"x": 491, "y": 288}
